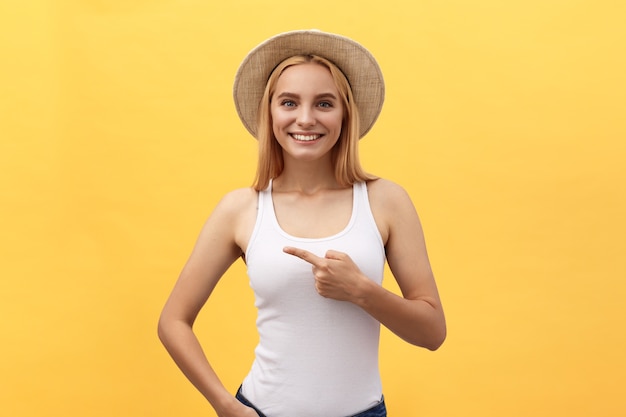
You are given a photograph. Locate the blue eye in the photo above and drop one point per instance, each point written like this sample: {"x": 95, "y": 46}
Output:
{"x": 325, "y": 104}
{"x": 288, "y": 103}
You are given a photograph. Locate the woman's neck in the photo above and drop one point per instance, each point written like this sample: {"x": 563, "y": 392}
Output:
{"x": 306, "y": 177}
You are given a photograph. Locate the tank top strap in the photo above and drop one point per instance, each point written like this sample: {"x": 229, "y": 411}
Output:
{"x": 360, "y": 191}
{"x": 365, "y": 210}
{"x": 265, "y": 198}
{"x": 263, "y": 203}
{"x": 361, "y": 200}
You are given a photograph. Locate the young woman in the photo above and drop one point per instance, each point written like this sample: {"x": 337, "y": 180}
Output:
{"x": 315, "y": 231}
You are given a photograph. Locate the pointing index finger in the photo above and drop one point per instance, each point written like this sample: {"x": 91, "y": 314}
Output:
{"x": 303, "y": 254}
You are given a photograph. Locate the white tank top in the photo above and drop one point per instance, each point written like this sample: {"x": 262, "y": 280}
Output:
{"x": 316, "y": 357}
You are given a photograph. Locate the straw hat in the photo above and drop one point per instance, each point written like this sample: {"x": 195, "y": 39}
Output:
{"x": 356, "y": 62}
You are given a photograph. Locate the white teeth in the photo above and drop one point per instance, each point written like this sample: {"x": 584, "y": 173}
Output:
{"x": 305, "y": 138}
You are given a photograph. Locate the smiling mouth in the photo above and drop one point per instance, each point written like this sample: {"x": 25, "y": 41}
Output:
{"x": 305, "y": 138}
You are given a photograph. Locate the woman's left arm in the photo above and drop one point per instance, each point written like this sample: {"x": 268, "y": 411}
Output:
{"x": 416, "y": 316}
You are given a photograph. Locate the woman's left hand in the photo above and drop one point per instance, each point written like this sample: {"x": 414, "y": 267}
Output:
{"x": 336, "y": 274}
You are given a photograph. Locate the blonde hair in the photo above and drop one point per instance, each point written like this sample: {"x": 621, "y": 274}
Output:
{"x": 345, "y": 153}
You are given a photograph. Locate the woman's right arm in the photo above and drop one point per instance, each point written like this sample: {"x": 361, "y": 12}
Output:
{"x": 216, "y": 249}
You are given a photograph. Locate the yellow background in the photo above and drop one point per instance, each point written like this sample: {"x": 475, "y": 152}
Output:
{"x": 504, "y": 120}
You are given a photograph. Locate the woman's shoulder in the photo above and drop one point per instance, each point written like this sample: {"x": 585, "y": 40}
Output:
{"x": 241, "y": 194}
{"x": 237, "y": 200}
{"x": 238, "y": 209}
{"x": 237, "y": 212}
{"x": 387, "y": 192}
{"x": 390, "y": 204}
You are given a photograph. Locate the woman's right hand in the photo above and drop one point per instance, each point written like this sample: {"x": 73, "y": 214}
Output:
{"x": 246, "y": 412}
{"x": 239, "y": 410}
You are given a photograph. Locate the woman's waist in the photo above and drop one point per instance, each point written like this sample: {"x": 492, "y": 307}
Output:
{"x": 321, "y": 393}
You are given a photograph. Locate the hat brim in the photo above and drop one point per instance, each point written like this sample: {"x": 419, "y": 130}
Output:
{"x": 356, "y": 62}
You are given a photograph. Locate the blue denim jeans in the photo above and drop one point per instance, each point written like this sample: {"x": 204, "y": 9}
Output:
{"x": 379, "y": 410}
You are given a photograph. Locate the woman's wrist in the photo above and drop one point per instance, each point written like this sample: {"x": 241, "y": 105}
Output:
{"x": 226, "y": 405}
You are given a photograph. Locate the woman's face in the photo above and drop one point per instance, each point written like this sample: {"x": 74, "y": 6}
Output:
{"x": 307, "y": 112}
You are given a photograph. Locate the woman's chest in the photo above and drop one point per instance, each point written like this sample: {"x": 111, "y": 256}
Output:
{"x": 313, "y": 216}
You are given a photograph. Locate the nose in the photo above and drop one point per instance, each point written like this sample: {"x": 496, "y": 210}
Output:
{"x": 305, "y": 117}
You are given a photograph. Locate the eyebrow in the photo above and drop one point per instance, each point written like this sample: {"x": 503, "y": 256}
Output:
{"x": 287, "y": 94}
